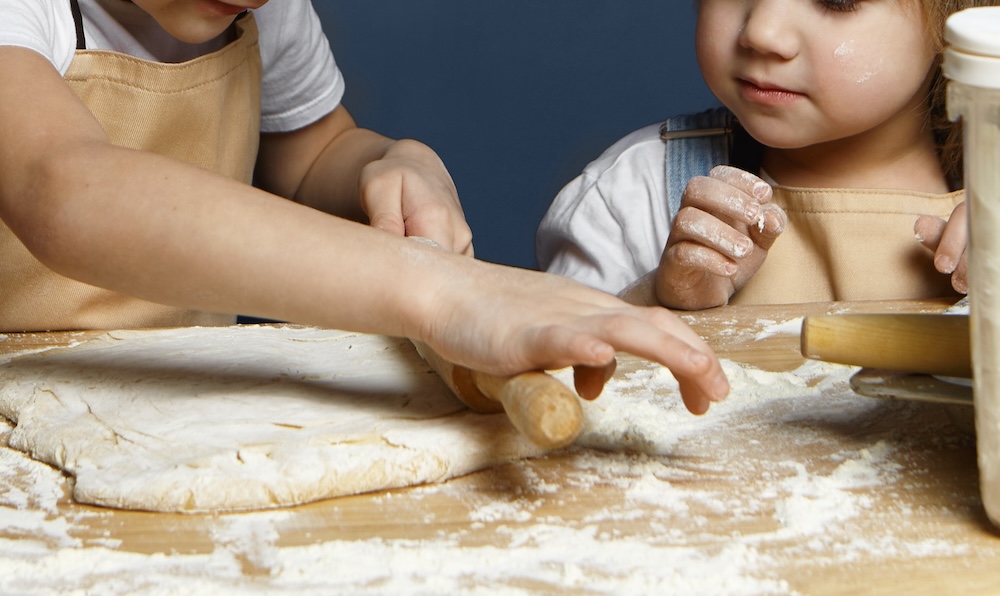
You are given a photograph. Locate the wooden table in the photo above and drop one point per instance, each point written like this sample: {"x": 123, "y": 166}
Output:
{"x": 778, "y": 501}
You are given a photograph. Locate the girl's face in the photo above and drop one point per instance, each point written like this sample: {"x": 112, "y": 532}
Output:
{"x": 801, "y": 72}
{"x": 196, "y": 21}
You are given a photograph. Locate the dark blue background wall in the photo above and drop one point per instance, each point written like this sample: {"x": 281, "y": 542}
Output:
{"x": 517, "y": 96}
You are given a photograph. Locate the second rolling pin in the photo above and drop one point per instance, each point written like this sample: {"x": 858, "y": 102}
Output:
{"x": 541, "y": 407}
{"x": 933, "y": 344}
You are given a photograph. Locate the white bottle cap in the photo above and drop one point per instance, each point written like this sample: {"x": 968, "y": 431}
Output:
{"x": 973, "y": 55}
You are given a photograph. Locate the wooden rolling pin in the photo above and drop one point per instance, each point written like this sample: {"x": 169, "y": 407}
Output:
{"x": 539, "y": 406}
{"x": 931, "y": 344}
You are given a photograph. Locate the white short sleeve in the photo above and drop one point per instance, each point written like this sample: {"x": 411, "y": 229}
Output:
{"x": 45, "y": 26}
{"x": 608, "y": 227}
{"x": 301, "y": 80}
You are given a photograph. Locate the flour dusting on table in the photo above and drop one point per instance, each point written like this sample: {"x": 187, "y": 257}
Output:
{"x": 638, "y": 440}
{"x": 770, "y": 328}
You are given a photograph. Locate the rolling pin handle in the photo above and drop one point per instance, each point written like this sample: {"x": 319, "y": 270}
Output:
{"x": 538, "y": 405}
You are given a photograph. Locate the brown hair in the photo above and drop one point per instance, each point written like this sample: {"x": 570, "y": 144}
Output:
{"x": 948, "y": 134}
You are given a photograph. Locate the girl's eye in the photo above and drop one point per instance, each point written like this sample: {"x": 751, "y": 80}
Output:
{"x": 841, "y": 5}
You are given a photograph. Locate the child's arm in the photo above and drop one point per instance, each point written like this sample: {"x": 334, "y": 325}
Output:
{"x": 156, "y": 228}
{"x": 719, "y": 239}
{"x": 948, "y": 240}
{"x": 398, "y": 186}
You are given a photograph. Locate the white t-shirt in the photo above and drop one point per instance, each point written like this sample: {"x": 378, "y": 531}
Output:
{"x": 301, "y": 81}
{"x": 608, "y": 226}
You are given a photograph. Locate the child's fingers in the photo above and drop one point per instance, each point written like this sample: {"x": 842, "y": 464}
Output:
{"x": 929, "y": 230}
{"x": 381, "y": 200}
{"x": 388, "y": 222}
{"x": 694, "y": 260}
{"x": 723, "y": 200}
{"x": 770, "y": 225}
{"x": 960, "y": 278}
{"x": 428, "y": 219}
{"x": 949, "y": 241}
{"x": 589, "y": 380}
{"x": 952, "y": 251}
{"x": 695, "y": 399}
{"x": 954, "y": 239}
{"x": 692, "y": 276}
{"x": 696, "y": 368}
{"x": 765, "y": 220}
{"x": 437, "y": 222}
{"x": 750, "y": 184}
{"x": 695, "y": 225}
{"x": 657, "y": 335}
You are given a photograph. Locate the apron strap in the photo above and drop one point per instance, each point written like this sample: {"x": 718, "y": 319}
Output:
{"x": 81, "y": 42}
{"x": 695, "y": 143}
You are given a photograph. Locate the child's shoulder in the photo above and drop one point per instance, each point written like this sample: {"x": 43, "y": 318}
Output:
{"x": 43, "y": 26}
{"x": 642, "y": 140}
{"x": 49, "y": 28}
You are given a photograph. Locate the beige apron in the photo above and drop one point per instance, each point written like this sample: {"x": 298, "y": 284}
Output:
{"x": 850, "y": 245}
{"x": 205, "y": 112}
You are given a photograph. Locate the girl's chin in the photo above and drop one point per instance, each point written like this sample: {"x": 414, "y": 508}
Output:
{"x": 778, "y": 137}
{"x": 200, "y": 32}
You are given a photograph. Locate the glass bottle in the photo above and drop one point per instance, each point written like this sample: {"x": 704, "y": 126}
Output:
{"x": 972, "y": 67}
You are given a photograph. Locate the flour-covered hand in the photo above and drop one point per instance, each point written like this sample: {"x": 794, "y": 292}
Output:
{"x": 718, "y": 240}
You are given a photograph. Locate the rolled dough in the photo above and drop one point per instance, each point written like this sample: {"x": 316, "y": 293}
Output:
{"x": 245, "y": 417}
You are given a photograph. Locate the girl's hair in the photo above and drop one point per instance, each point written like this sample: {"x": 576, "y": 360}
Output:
{"x": 948, "y": 134}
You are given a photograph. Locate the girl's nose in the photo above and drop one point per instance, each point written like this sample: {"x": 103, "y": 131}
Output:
{"x": 769, "y": 28}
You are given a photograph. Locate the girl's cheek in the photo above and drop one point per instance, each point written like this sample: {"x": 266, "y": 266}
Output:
{"x": 856, "y": 66}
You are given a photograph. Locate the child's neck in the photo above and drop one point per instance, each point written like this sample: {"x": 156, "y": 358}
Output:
{"x": 870, "y": 160}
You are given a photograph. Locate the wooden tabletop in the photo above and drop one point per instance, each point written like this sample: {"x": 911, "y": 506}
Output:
{"x": 834, "y": 494}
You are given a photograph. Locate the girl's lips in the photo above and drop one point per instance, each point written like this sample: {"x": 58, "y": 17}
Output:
{"x": 764, "y": 94}
{"x": 221, "y": 8}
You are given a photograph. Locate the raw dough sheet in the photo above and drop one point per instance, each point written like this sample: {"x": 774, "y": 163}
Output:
{"x": 244, "y": 417}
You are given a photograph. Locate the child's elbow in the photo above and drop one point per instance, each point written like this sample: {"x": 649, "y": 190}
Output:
{"x": 33, "y": 205}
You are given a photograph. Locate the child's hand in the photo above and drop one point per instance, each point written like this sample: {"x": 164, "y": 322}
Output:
{"x": 409, "y": 192}
{"x": 504, "y": 320}
{"x": 399, "y": 186}
{"x": 948, "y": 240}
{"x": 719, "y": 239}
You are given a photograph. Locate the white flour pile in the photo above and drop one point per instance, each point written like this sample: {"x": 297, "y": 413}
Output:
{"x": 661, "y": 534}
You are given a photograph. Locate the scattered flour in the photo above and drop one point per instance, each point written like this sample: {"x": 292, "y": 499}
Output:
{"x": 770, "y": 328}
{"x": 648, "y": 448}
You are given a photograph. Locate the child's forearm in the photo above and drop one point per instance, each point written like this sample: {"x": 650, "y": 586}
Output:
{"x": 159, "y": 229}
{"x": 152, "y": 227}
{"x": 400, "y": 186}
{"x": 196, "y": 240}
{"x": 320, "y": 165}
